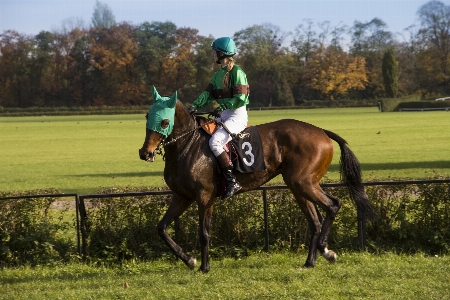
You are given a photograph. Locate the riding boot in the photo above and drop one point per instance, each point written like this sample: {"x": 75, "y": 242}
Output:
{"x": 227, "y": 169}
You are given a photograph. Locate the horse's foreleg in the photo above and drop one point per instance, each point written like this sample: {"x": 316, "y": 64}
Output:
{"x": 205, "y": 215}
{"x": 176, "y": 208}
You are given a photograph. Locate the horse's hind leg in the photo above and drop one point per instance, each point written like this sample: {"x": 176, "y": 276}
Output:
{"x": 314, "y": 219}
{"x": 319, "y": 237}
{"x": 326, "y": 227}
{"x": 176, "y": 208}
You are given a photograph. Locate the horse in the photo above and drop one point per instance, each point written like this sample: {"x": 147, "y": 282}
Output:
{"x": 300, "y": 152}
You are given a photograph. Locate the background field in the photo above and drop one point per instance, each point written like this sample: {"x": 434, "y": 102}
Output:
{"x": 85, "y": 153}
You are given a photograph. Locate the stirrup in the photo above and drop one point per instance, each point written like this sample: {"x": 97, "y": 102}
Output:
{"x": 231, "y": 190}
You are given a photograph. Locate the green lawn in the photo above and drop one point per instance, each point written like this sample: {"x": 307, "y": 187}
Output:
{"x": 84, "y": 153}
{"x": 260, "y": 276}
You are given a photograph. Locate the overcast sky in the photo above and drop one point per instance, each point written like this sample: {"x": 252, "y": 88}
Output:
{"x": 211, "y": 17}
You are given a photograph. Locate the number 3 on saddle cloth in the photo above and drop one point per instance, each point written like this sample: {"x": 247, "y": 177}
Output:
{"x": 245, "y": 150}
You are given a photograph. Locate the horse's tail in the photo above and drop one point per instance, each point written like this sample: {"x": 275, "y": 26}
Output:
{"x": 351, "y": 176}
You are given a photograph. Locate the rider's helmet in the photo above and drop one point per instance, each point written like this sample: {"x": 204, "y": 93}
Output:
{"x": 224, "y": 45}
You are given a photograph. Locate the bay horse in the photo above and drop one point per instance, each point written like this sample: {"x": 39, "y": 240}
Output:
{"x": 299, "y": 151}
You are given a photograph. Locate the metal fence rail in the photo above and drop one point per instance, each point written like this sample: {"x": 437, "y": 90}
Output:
{"x": 81, "y": 215}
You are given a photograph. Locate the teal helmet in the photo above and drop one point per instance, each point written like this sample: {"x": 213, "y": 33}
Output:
{"x": 224, "y": 45}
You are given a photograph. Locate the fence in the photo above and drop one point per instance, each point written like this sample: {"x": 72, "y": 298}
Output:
{"x": 81, "y": 214}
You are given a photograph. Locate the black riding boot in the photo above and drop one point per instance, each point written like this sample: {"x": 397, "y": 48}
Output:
{"x": 227, "y": 168}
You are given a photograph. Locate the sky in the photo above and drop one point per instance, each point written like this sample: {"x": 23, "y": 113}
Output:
{"x": 210, "y": 17}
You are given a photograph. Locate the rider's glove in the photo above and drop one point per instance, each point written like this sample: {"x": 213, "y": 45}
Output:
{"x": 192, "y": 111}
{"x": 217, "y": 112}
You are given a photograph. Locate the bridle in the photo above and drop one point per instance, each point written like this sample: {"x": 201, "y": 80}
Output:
{"x": 165, "y": 143}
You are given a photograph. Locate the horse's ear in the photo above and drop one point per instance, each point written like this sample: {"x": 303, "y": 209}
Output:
{"x": 165, "y": 123}
{"x": 173, "y": 100}
{"x": 155, "y": 94}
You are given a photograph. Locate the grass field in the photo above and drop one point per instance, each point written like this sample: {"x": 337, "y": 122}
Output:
{"x": 260, "y": 276}
{"x": 85, "y": 153}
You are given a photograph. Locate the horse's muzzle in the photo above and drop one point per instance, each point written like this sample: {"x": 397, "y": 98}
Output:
{"x": 147, "y": 156}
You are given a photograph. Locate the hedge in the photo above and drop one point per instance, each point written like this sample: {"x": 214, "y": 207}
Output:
{"x": 425, "y": 104}
{"x": 110, "y": 110}
{"x": 410, "y": 218}
{"x": 392, "y": 104}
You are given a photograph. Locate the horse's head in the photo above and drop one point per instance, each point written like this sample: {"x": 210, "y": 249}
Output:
{"x": 160, "y": 121}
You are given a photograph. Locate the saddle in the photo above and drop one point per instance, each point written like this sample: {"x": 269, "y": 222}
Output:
{"x": 245, "y": 149}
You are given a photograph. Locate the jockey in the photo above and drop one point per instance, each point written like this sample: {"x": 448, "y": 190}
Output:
{"x": 229, "y": 88}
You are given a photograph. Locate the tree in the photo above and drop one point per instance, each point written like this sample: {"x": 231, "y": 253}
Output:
{"x": 79, "y": 75}
{"x": 155, "y": 42}
{"x": 370, "y": 40}
{"x": 336, "y": 35}
{"x": 41, "y": 68}
{"x": 305, "y": 41}
{"x": 261, "y": 51}
{"x": 103, "y": 16}
{"x": 113, "y": 54}
{"x": 406, "y": 55}
{"x": 435, "y": 33}
{"x": 390, "y": 73}
{"x": 333, "y": 72}
{"x": 204, "y": 66}
{"x": 15, "y": 50}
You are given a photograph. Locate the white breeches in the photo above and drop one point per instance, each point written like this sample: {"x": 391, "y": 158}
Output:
{"x": 236, "y": 121}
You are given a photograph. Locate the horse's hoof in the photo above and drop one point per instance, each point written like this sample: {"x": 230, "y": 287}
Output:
{"x": 204, "y": 270}
{"x": 307, "y": 265}
{"x": 329, "y": 255}
{"x": 191, "y": 263}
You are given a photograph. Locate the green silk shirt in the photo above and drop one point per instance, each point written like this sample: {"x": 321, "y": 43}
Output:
{"x": 236, "y": 96}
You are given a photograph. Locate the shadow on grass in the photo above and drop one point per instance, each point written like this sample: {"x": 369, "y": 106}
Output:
{"x": 130, "y": 174}
{"x": 333, "y": 168}
{"x": 400, "y": 165}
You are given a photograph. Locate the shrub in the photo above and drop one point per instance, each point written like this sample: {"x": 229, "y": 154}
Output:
{"x": 31, "y": 232}
{"x": 410, "y": 218}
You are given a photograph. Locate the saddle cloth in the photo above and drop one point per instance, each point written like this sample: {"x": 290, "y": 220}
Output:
{"x": 245, "y": 150}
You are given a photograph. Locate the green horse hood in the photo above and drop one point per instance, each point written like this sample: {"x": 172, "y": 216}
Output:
{"x": 162, "y": 109}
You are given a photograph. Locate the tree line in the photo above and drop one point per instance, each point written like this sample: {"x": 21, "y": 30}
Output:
{"x": 113, "y": 64}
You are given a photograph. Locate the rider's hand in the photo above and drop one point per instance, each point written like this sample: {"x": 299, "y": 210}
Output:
{"x": 192, "y": 111}
{"x": 217, "y": 112}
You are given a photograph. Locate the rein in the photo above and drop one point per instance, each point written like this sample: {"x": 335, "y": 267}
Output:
{"x": 173, "y": 140}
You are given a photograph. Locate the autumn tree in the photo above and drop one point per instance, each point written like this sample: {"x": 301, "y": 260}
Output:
{"x": 178, "y": 69}
{"x": 390, "y": 73}
{"x": 333, "y": 72}
{"x": 113, "y": 54}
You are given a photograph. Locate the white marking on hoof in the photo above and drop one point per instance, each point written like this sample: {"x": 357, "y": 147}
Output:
{"x": 329, "y": 255}
{"x": 191, "y": 263}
